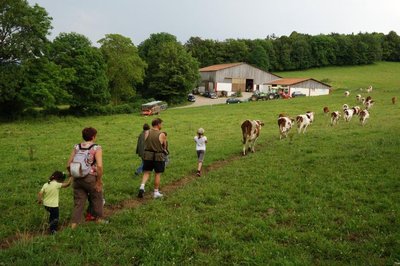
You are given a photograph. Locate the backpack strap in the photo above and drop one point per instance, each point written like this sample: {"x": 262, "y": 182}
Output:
{"x": 85, "y": 149}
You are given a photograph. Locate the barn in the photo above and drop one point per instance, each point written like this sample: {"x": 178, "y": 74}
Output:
{"x": 307, "y": 86}
{"x": 234, "y": 77}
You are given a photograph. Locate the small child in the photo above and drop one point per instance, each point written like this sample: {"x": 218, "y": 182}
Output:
{"x": 201, "y": 142}
{"x": 49, "y": 196}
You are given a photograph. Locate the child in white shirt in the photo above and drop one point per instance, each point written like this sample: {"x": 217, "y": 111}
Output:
{"x": 201, "y": 142}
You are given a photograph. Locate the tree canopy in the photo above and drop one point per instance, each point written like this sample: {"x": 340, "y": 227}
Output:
{"x": 88, "y": 87}
{"x": 172, "y": 72}
{"x": 125, "y": 68}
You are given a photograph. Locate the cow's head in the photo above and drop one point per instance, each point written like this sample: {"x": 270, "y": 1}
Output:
{"x": 260, "y": 123}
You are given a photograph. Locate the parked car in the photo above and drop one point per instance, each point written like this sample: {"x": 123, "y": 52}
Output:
{"x": 297, "y": 94}
{"x": 211, "y": 95}
{"x": 233, "y": 100}
{"x": 191, "y": 98}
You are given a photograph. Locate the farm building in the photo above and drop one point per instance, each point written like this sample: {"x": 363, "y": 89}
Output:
{"x": 234, "y": 77}
{"x": 307, "y": 86}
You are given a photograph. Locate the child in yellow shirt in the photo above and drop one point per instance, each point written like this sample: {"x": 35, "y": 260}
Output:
{"x": 49, "y": 196}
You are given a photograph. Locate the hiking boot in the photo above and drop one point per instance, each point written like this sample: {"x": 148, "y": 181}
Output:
{"x": 141, "y": 193}
{"x": 157, "y": 195}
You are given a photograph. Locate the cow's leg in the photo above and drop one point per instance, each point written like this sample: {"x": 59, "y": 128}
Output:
{"x": 253, "y": 145}
{"x": 245, "y": 147}
{"x": 305, "y": 128}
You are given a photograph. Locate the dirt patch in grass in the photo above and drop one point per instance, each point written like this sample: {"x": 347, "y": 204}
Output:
{"x": 111, "y": 210}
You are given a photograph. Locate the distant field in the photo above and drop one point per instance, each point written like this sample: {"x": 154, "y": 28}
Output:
{"x": 329, "y": 197}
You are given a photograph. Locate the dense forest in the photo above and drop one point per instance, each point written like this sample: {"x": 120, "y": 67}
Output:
{"x": 70, "y": 75}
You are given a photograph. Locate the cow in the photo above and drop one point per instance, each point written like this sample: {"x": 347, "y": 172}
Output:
{"x": 326, "y": 110}
{"x": 364, "y": 115}
{"x": 358, "y": 97}
{"x": 346, "y": 93}
{"x": 285, "y": 124}
{"x": 356, "y": 110}
{"x": 250, "y": 131}
{"x": 345, "y": 107}
{"x": 369, "y": 104}
{"x": 335, "y": 117}
{"x": 348, "y": 114}
{"x": 369, "y": 89}
{"x": 394, "y": 99}
{"x": 303, "y": 121}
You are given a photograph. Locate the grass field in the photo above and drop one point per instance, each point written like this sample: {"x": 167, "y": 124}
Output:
{"x": 329, "y": 197}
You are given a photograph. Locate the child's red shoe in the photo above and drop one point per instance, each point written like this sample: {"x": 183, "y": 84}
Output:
{"x": 89, "y": 217}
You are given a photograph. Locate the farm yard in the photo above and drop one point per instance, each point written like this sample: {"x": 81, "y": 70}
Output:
{"x": 329, "y": 196}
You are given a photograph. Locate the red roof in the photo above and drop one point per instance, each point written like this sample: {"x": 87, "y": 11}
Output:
{"x": 292, "y": 81}
{"x": 219, "y": 67}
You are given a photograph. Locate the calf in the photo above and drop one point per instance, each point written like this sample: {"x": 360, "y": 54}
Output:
{"x": 250, "y": 131}
{"x": 369, "y": 104}
{"x": 285, "y": 124}
{"x": 326, "y": 110}
{"x": 348, "y": 114}
{"x": 369, "y": 89}
{"x": 358, "y": 97}
{"x": 356, "y": 110}
{"x": 335, "y": 117}
{"x": 303, "y": 121}
{"x": 346, "y": 93}
{"x": 345, "y": 107}
{"x": 364, "y": 115}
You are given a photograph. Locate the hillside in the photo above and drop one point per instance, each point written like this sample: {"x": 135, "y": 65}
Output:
{"x": 328, "y": 197}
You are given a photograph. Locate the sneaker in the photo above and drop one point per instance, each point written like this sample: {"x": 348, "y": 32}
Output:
{"x": 102, "y": 221}
{"x": 140, "y": 194}
{"x": 198, "y": 173}
{"x": 157, "y": 195}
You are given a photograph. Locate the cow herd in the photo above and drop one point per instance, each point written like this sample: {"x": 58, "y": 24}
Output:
{"x": 251, "y": 128}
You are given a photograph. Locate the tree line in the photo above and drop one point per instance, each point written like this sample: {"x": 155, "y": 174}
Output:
{"x": 116, "y": 77}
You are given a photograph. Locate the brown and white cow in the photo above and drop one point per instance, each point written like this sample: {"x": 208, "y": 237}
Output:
{"x": 356, "y": 110}
{"x": 345, "y": 107}
{"x": 285, "y": 124}
{"x": 303, "y": 121}
{"x": 364, "y": 115}
{"x": 369, "y": 104}
{"x": 369, "y": 89}
{"x": 358, "y": 97}
{"x": 335, "y": 117}
{"x": 346, "y": 93}
{"x": 348, "y": 114}
{"x": 326, "y": 110}
{"x": 250, "y": 131}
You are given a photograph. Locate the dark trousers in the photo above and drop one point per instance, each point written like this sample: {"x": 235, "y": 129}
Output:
{"x": 84, "y": 188}
{"x": 53, "y": 218}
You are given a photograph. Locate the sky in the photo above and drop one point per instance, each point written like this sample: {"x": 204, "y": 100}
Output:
{"x": 219, "y": 19}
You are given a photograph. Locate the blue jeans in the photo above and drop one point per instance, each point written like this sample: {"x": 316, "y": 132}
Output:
{"x": 53, "y": 218}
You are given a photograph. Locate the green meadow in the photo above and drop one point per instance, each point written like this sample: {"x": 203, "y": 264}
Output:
{"x": 326, "y": 197}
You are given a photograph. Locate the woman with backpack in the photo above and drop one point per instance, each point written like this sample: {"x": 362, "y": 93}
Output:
{"x": 86, "y": 166}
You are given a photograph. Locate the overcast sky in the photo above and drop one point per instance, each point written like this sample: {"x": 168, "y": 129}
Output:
{"x": 219, "y": 19}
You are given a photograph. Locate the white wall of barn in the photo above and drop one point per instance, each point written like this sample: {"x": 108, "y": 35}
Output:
{"x": 318, "y": 92}
{"x": 306, "y": 91}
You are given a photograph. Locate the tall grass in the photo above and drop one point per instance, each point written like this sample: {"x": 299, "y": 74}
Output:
{"x": 329, "y": 196}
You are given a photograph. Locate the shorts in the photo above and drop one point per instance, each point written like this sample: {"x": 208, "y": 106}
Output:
{"x": 157, "y": 166}
{"x": 200, "y": 155}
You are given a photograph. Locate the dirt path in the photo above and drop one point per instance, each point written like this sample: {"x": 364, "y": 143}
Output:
{"x": 111, "y": 210}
